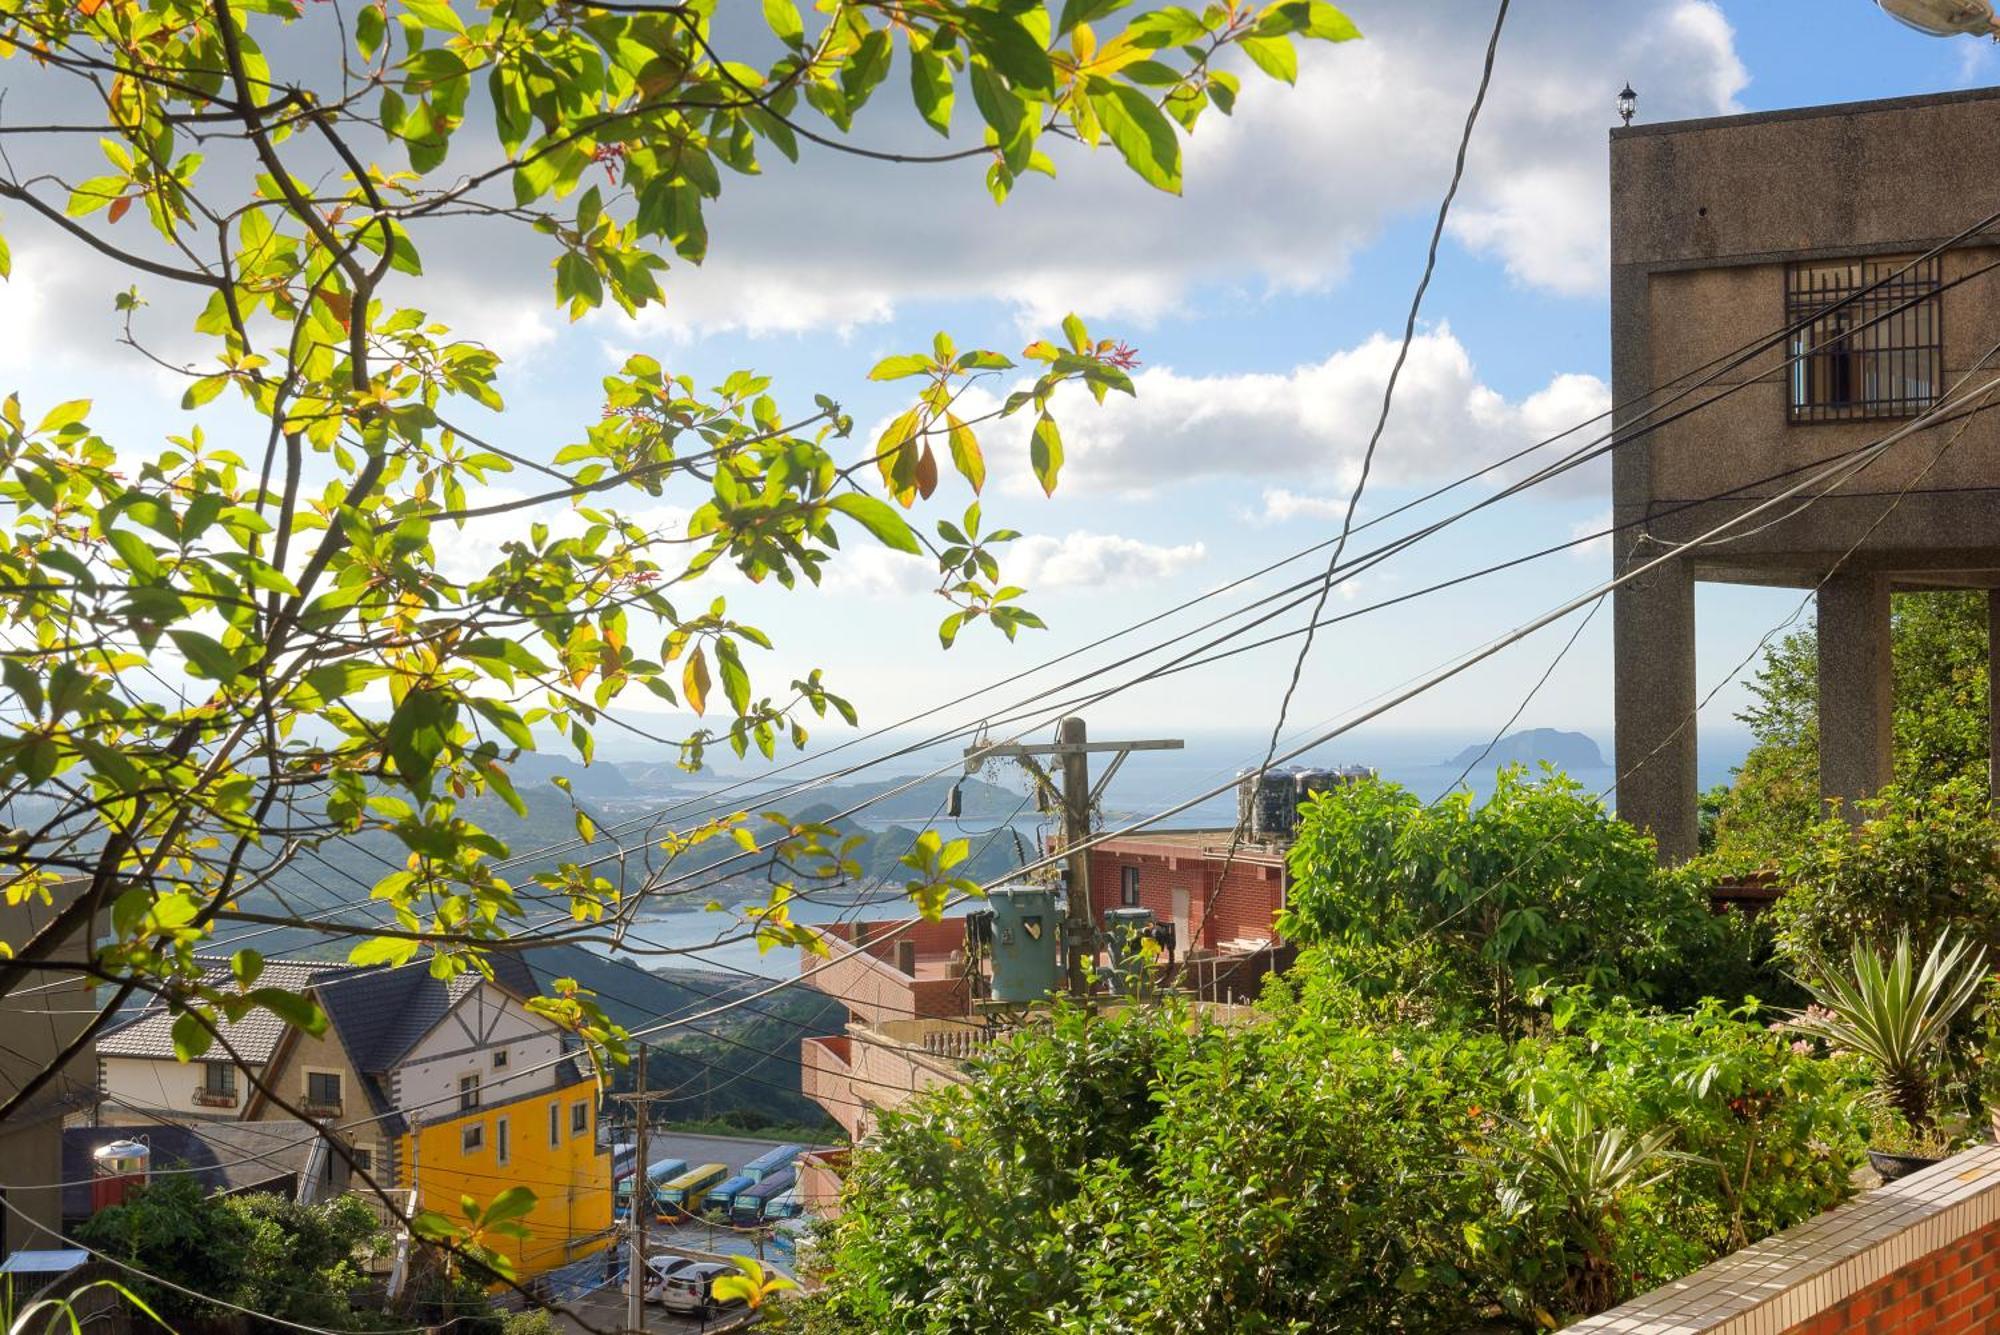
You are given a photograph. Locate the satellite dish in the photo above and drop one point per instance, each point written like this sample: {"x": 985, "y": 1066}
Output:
{"x": 1945, "y": 18}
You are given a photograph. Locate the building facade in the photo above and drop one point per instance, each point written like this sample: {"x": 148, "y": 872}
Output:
{"x": 436, "y": 1089}
{"x": 1779, "y": 319}
{"x": 41, "y": 1021}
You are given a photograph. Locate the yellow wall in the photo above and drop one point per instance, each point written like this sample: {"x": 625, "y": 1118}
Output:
{"x": 571, "y": 1180}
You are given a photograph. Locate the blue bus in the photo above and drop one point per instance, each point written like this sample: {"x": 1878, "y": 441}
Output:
{"x": 771, "y": 1161}
{"x": 658, "y": 1173}
{"x": 753, "y": 1205}
{"x": 723, "y": 1195}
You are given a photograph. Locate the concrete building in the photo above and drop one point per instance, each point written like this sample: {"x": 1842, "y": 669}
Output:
{"x": 1724, "y": 233}
{"x": 41, "y": 1020}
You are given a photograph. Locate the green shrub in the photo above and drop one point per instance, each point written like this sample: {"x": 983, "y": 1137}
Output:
{"x": 1921, "y": 863}
{"x": 1475, "y": 907}
{"x": 1320, "y": 1169}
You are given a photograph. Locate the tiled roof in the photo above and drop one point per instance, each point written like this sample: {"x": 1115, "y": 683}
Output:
{"x": 254, "y": 1037}
{"x": 380, "y": 1014}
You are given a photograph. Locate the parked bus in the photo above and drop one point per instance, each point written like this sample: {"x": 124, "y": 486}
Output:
{"x": 658, "y": 1174}
{"x": 723, "y": 1195}
{"x": 771, "y": 1161}
{"x": 681, "y": 1197}
{"x": 753, "y": 1206}
{"x": 785, "y": 1205}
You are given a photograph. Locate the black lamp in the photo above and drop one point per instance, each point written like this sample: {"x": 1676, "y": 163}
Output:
{"x": 1628, "y": 104}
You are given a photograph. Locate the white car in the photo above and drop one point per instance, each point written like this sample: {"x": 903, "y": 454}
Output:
{"x": 660, "y": 1267}
{"x": 691, "y": 1288}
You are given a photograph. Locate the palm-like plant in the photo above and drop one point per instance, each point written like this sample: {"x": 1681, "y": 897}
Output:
{"x": 1895, "y": 1015}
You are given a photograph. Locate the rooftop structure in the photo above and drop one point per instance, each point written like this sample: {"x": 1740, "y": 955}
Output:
{"x": 1819, "y": 222}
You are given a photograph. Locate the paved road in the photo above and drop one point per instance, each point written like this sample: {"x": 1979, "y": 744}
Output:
{"x": 605, "y": 1311}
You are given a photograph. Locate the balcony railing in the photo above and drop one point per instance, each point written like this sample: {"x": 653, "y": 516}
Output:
{"x": 204, "y": 1097}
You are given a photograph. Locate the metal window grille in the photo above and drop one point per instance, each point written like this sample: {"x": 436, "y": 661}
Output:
{"x": 1880, "y": 355}
{"x": 322, "y": 1089}
{"x": 221, "y": 1079}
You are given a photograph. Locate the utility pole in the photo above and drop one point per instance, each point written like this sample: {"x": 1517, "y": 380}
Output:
{"x": 642, "y": 1205}
{"x": 1074, "y": 746}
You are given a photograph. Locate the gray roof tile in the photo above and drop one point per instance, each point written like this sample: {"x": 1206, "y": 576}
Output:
{"x": 254, "y": 1037}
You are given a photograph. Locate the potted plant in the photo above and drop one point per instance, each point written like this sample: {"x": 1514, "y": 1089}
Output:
{"x": 1895, "y": 1016}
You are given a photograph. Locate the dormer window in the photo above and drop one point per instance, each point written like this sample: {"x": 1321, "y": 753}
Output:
{"x": 1869, "y": 340}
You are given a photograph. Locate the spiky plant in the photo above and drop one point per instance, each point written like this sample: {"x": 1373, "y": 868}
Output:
{"x": 1895, "y": 1015}
{"x": 1591, "y": 1170}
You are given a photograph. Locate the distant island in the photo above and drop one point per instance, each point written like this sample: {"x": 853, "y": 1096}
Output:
{"x": 1564, "y": 750}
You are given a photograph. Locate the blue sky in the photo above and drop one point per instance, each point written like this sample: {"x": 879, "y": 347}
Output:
{"x": 1258, "y": 303}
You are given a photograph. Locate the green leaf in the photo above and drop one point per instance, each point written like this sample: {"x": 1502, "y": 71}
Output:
{"x": 900, "y": 366}
{"x": 966, "y": 455}
{"x": 931, "y": 87}
{"x": 782, "y": 16}
{"x": 879, "y": 519}
{"x": 1276, "y": 56}
{"x": 1140, "y": 132}
{"x": 384, "y": 950}
{"x": 205, "y": 657}
{"x": 191, "y": 1037}
{"x": 418, "y": 733}
{"x": 1011, "y": 49}
{"x": 294, "y": 1008}
{"x": 64, "y": 414}
{"x": 1045, "y": 452}
{"x": 735, "y": 679}
{"x": 512, "y": 1203}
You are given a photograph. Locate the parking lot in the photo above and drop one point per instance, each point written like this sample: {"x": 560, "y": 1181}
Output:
{"x": 605, "y": 1309}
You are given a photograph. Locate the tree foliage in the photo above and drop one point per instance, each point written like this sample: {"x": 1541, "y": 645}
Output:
{"x": 1940, "y": 724}
{"x": 302, "y": 1263}
{"x": 1918, "y": 863}
{"x": 228, "y": 646}
{"x": 1146, "y": 1171}
{"x": 1458, "y": 905}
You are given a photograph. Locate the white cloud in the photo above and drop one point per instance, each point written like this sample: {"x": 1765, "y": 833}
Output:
{"x": 1081, "y": 560}
{"x": 1278, "y": 198}
{"x": 1598, "y": 549}
{"x": 1309, "y": 427}
{"x": 1281, "y": 504}
{"x": 1039, "y": 562}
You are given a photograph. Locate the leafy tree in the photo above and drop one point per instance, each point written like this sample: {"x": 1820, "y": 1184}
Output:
{"x": 293, "y": 1262}
{"x": 229, "y": 646}
{"x": 1919, "y": 863}
{"x": 1941, "y": 724}
{"x": 1479, "y": 905}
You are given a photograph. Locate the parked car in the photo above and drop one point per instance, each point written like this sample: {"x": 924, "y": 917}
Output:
{"x": 693, "y": 1289}
{"x": 660, "y": 1267}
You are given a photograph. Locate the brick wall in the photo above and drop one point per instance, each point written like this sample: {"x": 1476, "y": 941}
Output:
{"x": 1919, "y": 1255}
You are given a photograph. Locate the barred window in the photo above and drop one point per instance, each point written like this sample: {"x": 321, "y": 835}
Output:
{"x": 1879, "y": 355}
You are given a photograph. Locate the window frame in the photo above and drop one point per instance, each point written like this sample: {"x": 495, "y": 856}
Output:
{"x": 468, "y": 1092}
{"x": 1904, "y": 310}
{"x": 339, "y": 1086}
{"x": 1128, "y": 887}
{"x": 503, "y": 1141}
{"x": 579, "y": 1118}
{"x": 472, "y": 1138}
{"x": 226, "y": 1087}
{"x": 500, "y": 1059}
{"x": 555, "y": 1123}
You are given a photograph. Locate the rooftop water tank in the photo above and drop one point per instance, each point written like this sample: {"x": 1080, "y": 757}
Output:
{"x": 1274, "y": 806}
{"x": 116, "y": 1170}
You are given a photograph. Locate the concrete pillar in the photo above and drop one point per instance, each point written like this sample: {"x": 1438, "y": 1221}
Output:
{"x": 1856, "y": 689}
{"x": 1654, "y": 701}
{"x": 1992, "y": 696}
